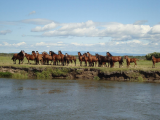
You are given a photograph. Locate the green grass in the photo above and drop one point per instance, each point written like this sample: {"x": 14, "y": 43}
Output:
{"x": 141, "y": 65}
{"x": 49, "y": 72}
{"x": 5, "y": 74}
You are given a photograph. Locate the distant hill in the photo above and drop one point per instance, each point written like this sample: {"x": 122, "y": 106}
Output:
{"x": 101, "y": 53}
{"x": 93, "y": 53}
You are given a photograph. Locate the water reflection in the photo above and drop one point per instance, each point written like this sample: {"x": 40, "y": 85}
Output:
{"x": 78, "y": 99}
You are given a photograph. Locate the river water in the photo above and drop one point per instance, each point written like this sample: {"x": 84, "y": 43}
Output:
{"x": 78, "y": 100}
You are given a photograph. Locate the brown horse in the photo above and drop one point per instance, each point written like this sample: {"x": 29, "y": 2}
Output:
{"x": 39, "y": 57}
{"x": 155, "y": 60}
{"x": 69, "y": 58}
{"x": 30, "y": 57}
{"x": 46, "y": 57}
{"x": 92, "y": 59}
{"x": 115, "y": 59}
{"x": 19, "y": 56}
{"x": 81, "y": 58}
{"x": 62, "y": 57}
{"x": 55, "y": 57}
{"x": 130, "y": 60}
{"x": 86, "y": 59}
{"x": 102, "y": 59}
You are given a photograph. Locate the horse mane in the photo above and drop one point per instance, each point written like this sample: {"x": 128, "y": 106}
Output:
{"x": 52, "y": 53}
{"x": 21, "y": 53}
{"x": 45, "y": 52}
{"x": 109, "y": 53}
{"x": 80, "y": 53}
{"x": 60, "y": 51}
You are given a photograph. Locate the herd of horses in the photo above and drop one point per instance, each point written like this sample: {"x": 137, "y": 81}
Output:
{"x": 65, "y": 59}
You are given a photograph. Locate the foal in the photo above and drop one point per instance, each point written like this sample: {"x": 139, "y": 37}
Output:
{"x": 130, "y": 60}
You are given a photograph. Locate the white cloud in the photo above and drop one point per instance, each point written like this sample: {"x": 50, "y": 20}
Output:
{"x": 14, "y": 44}
{"x": 33, "y": 12}
{"x": 46, "y": 27}
{"x": 116, "y": 31}
{"x": 156, "y": 29}
{"x": 49, "y": 44}
{"x": 4, "y": 32}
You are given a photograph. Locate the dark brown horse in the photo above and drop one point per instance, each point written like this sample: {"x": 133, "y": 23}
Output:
{"x": 46, "y": 57}
{"x": 19, "y": 56}
{"x": 39, "y": 57}
{"x": 92, "y": 59}
{"x": 115, "y": 59}
{"x": 130, "y": 60}
{"x": 30, "y": 57}
{"x": 155, "y": 60}
{"x": 102, "y": 60}
{"x": 55, "y": 57}
{"x": 69, "y": 58}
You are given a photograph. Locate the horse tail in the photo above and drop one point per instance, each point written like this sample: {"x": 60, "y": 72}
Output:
{"x": 122, "y": 59}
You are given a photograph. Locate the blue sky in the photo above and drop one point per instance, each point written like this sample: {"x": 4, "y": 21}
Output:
{"x": 122, "y": 26}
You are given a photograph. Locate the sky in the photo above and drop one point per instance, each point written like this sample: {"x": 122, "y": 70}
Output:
{"x": 120, "y": 26}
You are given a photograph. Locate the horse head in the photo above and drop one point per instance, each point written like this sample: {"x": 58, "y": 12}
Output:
{"x": 79, "y": 54}
{"x": 97, "y": 55}
{"x": 125, "y": 57}
{"x": 88, "y": 54}
{"x": 59, "y": 52}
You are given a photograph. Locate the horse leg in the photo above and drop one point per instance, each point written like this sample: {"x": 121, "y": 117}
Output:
{"x": 75, "y": 62}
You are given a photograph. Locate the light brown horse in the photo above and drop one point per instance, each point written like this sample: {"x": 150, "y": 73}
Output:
{"x": 46, "y": 57}
{"x": 30, "y": 57}
{"x": 130, "y": 60}
{"x": 39, "y": 57}
{"x": 92, "y": 59}
{"x": 86, "y": 59}
{"x": 19, "y": 56}
{"x": 155, "y": 60}
{"x": 115, "y": 59}
{"x": 81, "y": 58}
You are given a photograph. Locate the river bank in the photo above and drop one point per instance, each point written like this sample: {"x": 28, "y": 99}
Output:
{"x": 81, "y": 73}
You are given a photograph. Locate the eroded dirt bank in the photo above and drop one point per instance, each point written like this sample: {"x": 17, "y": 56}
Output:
{"x": 84, "y": 73}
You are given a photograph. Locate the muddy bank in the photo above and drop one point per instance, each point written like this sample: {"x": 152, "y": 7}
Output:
{"x": 84, "y": 73}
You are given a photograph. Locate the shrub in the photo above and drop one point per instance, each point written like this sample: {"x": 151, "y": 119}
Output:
{"x": 155, "y": 54}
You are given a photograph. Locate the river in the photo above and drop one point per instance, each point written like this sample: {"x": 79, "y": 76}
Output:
{"x": 78, "y": 100}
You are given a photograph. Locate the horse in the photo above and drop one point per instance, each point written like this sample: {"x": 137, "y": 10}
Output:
{"x": 92, "y": 59}
{"x": 130, "y": 60}
{"x": 39, "y": 57}
{"x": 62, "y": 57}
{"x": 86, "y": 59}
{"x": 46, "y": 57}
{"x": 55, "y": 57}
{"x": 68, "y": 58}
{"x": 81, "y": 58}
{"x": 115, "y": 59}
{"x": 102, "y": 59}
{"x": 155, "y": 60}
{"x": 30, "y": 57}
{"x": 20, "y": 56}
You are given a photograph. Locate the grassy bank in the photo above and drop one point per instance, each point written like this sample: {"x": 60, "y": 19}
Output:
{"x": 141, "y": 65}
